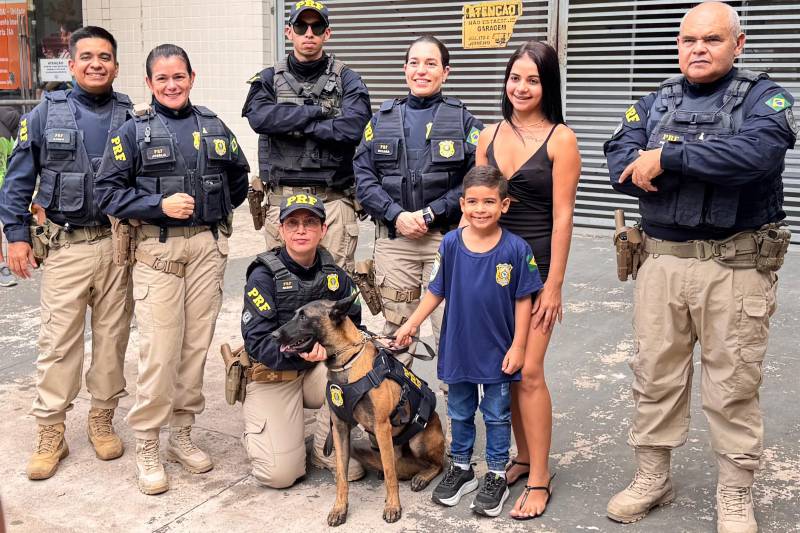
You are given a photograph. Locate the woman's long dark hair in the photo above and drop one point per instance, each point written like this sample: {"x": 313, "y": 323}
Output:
{"x": 546, "y": 60}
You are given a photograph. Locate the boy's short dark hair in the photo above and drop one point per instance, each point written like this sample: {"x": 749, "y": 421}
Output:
{"x": 91, "y": 32}
{"x": 487, "y": 176}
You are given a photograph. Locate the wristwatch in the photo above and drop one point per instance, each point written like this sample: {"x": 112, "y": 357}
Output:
{"x": 428, "y": 216}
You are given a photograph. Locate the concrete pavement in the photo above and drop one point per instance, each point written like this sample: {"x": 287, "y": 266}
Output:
{"x": 588, "y": 377}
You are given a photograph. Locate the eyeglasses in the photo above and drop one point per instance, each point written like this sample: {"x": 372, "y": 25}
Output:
{"x": 293, "y": 224}
{"x": 317, "y": 28}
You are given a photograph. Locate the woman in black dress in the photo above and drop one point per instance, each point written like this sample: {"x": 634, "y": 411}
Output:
{"x": 538, "y": 154}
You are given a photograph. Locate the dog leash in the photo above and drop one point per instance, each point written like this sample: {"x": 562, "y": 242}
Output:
{"x": 395, "y": 351}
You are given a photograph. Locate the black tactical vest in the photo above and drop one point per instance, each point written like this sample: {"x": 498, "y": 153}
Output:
{"x": 303, "y": 161}
{"x": 66, "y": 186}
{"x": 291, "y": 292}
{"x": 415, "y": 178}
{"x": 164, "y": 170}
{"x": 695, "y": 203}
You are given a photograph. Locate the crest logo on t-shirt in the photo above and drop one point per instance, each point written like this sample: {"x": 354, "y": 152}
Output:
{"x": 503, "y": 274}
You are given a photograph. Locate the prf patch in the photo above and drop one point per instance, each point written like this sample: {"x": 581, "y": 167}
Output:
{"x": 196, "y": 139}
{"x": 447, "y": 149}
{"x": 220, "y": 147}
{"x": 116, "y": 147}
{"x": 778, "y": 102}
{"x": 532, "y": 266}
{"x": 671, "y": 138}
{"x": 258, "y": 300}
{"x": 333, "y": 282}
{"x": 368, "y": 132}
{"x": 157, "y": 152}
{"x": 301, "y": 199}
{"x": 503, "y": 274}
{"x": 337, "y": 396}
{"x": 383, "y": 149}
{"x": 412, "y": 378}
{"x": 631, "y": 115}
{"x": 472, "y": 138}
{"x": 23, "y": 130}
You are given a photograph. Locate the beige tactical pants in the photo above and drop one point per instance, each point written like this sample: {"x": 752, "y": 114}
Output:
{"x": 175, "y": 317}
{"x": 405, "y": 264}
{"x": 274, "y": 435}
{"x": 678, "y": 302}
{"x": 341, "y": 238}
{"x": 76, "y": 276}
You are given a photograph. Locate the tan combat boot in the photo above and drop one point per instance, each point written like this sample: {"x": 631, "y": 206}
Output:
{"x": 50, "y": 448}
{"x": 735, "y": 510}
{"x": 651, "y": 487}
{"x": 107, "y": 445}
{"x": 323, "y": 425}
{"x": 181, "y": 449}
{"x": 152, "y": 478}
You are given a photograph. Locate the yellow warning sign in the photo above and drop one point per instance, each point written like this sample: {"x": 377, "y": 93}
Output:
{"x": 489, "y": 24}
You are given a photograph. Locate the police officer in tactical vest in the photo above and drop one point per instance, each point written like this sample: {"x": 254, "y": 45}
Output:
{"x": 704, "y": 155}
{"x": 309, "y": 110}
{"x": 280, "y": 384}
{"x": 175, "y": 173}
{"x": 61, "y": 143}
{"x": 409, "y": 168}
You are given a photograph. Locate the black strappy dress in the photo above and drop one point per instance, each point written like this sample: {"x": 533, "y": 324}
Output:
{"x": 531, "y": 213}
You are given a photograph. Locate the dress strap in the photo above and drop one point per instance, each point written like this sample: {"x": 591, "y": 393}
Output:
{"x": 497, "y": 130}
{"x": 551, "y": 133}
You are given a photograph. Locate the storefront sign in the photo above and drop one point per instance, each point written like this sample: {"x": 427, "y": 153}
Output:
{"x": 9, "y": 43}
{"x": 489, "y": 24}
{"x": 54, "y": 70}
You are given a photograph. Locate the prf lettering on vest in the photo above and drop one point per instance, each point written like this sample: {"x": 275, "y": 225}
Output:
{"x": 258, "y": 300}
{"x": 301, "y": 199}
{"x": 119, "y": 153}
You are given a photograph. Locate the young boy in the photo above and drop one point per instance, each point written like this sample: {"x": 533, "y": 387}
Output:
{"x": 487, "y": 276}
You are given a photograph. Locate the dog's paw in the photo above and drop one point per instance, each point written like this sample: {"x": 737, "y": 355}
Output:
{"x": 392, "y": 513}
{"x": 337, "y": 516}
{"x": 419, "y": 482}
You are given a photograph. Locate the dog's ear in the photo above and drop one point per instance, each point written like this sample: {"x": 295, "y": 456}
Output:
{"x": 341, "y": 307}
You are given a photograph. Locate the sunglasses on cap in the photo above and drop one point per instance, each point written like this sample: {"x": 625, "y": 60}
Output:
{"x": 317, "y": 28}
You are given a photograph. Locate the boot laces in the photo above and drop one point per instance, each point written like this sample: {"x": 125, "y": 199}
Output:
{"x": 734, "y": 500}
{"x": 100, "y": 422}
{"x": 183, "y": 437}
{"x": 643, "y": 482}
{"x": 148, "y": 454}
{"x": 48, "y": 439}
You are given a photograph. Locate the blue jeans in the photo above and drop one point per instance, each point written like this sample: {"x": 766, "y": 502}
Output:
{"x": 462, "y": 402}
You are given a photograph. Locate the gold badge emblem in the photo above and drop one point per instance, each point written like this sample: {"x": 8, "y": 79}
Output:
{"x": 220, "y": 147}
{"x": 503, "y": 274}
{"x": 447, "y": 149}
{"x": 337, "y": 397}
{"x": 333, "y": 282}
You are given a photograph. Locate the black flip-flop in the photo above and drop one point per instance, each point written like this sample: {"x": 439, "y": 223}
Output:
{"x": 520, "y": 463}
{"x": 528, "y": 489}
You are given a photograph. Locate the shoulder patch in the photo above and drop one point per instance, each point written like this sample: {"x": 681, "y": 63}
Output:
{"x": 437, "y": 263}
{"x": 258, "y": 300}
{"x": 779, "y": 102}
{"x": 255, "y": 78}
{"x": 791, "y": 121}
{"x": 532, "y": 266}
{"x": 368, "y": 135}
{"x": 472, "y": 137}
{"x": 117, "y": 149}
{"x": 23, "y": 130}
{"x": 631, "y": 115}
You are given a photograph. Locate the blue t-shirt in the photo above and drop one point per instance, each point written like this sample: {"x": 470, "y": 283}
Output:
{"x": 481, "y": 290}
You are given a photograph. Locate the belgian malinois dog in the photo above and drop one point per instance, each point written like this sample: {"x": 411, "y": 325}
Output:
{"x": 350, "y": 357}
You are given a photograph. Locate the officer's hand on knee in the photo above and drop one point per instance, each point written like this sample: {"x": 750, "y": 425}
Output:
{"x": 20, "y": 255}
{"x": 180, "y": 205}
{"x": 317, "y": 353}
{"x": 411, "y": 225}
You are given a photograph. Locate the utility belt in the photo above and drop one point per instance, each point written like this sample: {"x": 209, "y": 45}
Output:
{"x": 763, "y": 249}
{"x": 51, "y": 235}
{"x": 240, "y": 371}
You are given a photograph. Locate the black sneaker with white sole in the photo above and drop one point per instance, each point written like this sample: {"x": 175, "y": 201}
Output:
{"x": 455, "y": 483}
{"x": 493, "y": 494}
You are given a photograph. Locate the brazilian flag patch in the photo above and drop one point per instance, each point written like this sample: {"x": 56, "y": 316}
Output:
{"x": 472, "y": 138}
{"x": 532, "y": 266}
{"x": 778, "y": 102}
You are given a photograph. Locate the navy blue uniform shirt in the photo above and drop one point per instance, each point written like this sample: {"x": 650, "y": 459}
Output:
{"x": 260, "y": 318}
{"x": 755, "y": 152}
{"x": 93, "y": 116}
{"x": 116, "y": 179}
{"x": 418, "y": 114}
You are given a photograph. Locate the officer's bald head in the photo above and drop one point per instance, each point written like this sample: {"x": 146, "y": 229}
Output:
{"x": 716, "y": 9}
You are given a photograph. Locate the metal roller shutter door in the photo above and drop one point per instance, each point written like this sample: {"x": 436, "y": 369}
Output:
{"x": 619, "y": 51}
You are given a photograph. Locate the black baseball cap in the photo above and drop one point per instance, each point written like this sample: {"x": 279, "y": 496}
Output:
{"x": 308, "y": 5}
{"x": 302, "y": 201}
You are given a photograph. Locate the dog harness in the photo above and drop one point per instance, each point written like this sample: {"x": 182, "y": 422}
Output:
{"x": 414, "y": 394}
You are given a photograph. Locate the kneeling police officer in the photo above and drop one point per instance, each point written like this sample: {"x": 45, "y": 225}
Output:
{"x": 280, "y": 384}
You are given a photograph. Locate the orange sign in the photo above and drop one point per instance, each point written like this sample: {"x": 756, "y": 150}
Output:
{"x": 9, "y": 43}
